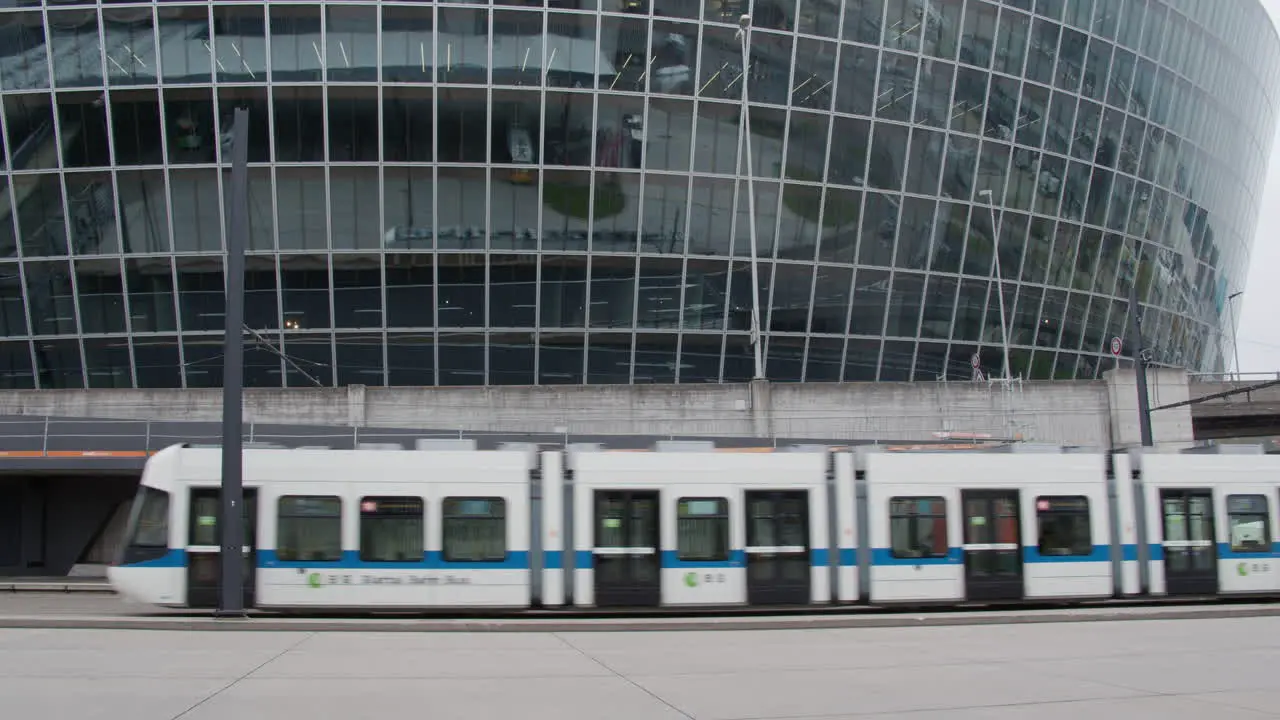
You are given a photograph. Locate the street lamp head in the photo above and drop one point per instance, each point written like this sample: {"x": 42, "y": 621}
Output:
{"x": 744, "y": 21}
{"x": 1235, "y": 295}
{"x": 985, "y": 194}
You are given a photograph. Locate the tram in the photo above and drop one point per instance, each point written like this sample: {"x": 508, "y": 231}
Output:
{"x": 701, "y": 528}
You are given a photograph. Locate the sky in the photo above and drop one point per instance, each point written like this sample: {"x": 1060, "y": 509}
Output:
{"x": 1258, "y": 336}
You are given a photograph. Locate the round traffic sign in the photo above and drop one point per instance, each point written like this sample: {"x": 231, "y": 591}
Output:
{"x": 975, "y": 361}
{"x": 1115, "y": 346}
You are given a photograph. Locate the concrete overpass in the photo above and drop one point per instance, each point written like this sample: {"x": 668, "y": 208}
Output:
{"x": 1244, "y": 406}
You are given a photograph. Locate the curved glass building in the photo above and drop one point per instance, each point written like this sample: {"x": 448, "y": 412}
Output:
{"x": 520, "y": 192}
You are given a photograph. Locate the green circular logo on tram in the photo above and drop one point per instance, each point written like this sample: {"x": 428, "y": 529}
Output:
{"x": 314, "y": 580}
{"x": 691, "y": 579}
{"x": 1242, "y": 569}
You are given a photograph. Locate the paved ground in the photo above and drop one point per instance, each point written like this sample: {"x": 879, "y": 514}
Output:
{"x": 1220, "y": 669}
{"x": 96, "y": 611}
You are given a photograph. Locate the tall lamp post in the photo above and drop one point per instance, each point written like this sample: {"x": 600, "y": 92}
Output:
{"x": 1139, "y": 354}
{"x": 995, "y": 250}
{"x": 230, "y": 521}
{"x": 1235, "y": 345}
{"x": 744, "y": 36}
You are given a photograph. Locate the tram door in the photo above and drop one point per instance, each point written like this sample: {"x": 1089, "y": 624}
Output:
{"x": 992, "y": 545}
{"x": 628, "y": 569}
{"x": 1190, "y": 555}
{"x": 778, "y": 547}
{"x": 204, "y": 547}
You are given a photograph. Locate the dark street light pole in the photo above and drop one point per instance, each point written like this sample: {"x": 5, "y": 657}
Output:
{"x": 231, "y": 515}
{"x": 1139, "y": 360}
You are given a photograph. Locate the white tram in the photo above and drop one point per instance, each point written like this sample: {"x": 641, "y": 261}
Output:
{"x": 696, "y": 527}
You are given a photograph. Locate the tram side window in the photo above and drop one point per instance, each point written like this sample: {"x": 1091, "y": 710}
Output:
{"x": 1064, "y": 526}
{"x": 151, "y": 520}
{"x": 391, "y": 529}
{"x": 1247, "y": 517}
{"x": 702, "y": 529}
{"x": 309, "y": 528}
{"x": 918, "y": 527}
{"x": 205, "y": 508}
{"x": 475, "y": 529}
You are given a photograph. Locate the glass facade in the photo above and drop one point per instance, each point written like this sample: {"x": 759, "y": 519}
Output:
{"x": 521, "y": 192}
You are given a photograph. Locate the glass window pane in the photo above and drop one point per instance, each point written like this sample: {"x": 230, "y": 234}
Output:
{"x": 23, "y": 60}
{"x": 58, "y": 364}
{"x": 74, "y": 37}
{"x": 1249, "y": 520}
{"x": 1064, "y": 526}
{"x": 309, "y": 529}
{"x": 475, "y": 529}
{"x": 191, "y": 132}
{"x": 351, "y": 35}
{"x": 130, "y": 46}
{"x": 197, "y": 221}
{"x": 101, "y": 291}
{"x": 359, "y": 360}
{"x": 107, "y": 362}
{"x": 391, "y": 529}
{"x": 156, "y": 361}
{"x": 918, "y": 527}
{"x": 702, "y": 531}
{"x": 240, "y": 43}
{"x": 185, "y": 62}
{"x": 408, "y": 54}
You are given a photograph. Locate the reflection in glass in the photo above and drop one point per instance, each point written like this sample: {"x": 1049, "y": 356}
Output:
{"x": 253, "y": 99}
{"x": 135, "y": 127}
{"x": 462, "y": 50}
{"x": 13, "y": 314}
{"x": 192, "y": 137}
{"x": 129, "y": 46}
{"x": 612, "y": 200}
{"x": 239, "y": 48}
{"x": 299, "y": 124}
{"x": 302, "y": 209}
{"x": 149, "y": 283}
{"x": 312, "y": 356}
{"x": 92, "y": 206}
{"x": 23, "y": 60}
{"x": 408, "y": 54}
{"x": 156, "y": 361}
{"x": 58, "y": 364}
{"x": 40, "y": 214}
{"x": 353, "y": 124}
{"x": 186, "y": 60}
{"x": 197, "y": 222}
{"x": 359, "y": 359}
{"x": 73, "y": 36}
{"x": 50, "y": 298}
{"x": 107, "y": 362}
{"x": 82, "y": 122}
{"x": 351, "y": 43}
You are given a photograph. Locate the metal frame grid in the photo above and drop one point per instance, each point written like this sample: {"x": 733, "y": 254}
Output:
{"x": 1208, "y": 66}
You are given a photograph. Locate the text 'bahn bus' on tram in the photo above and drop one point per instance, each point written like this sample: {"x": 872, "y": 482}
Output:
{"x": 703, "y": 528}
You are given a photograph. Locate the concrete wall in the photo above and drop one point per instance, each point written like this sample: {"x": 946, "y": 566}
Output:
{"x": 1060, "y": 412}
{"x": 1171, "y": 429}
{"x": 1093, "y": 413}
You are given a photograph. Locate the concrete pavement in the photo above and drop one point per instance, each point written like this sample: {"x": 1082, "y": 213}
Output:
{"x": 108, "y": 612}
{"x": 1222, "y": 668}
